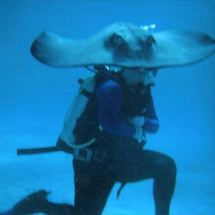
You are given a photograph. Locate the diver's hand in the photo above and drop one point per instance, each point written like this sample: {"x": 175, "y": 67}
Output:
{"x": 140, "y": 136}
{"x": 137, "y": 121}
{"x": 139, "y": 133}
{"x": 63, "y": 146}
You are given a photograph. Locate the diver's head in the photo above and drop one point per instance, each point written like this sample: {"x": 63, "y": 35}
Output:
{"x": 139, "y": 75}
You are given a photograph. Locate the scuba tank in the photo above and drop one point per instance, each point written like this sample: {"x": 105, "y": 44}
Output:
{"x": 75, "y": 111}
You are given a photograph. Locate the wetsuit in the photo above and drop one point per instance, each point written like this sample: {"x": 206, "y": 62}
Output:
{"x": 116, "y": 156}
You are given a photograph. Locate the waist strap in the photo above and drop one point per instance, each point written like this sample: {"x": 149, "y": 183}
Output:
{"x": 88, "y": 155}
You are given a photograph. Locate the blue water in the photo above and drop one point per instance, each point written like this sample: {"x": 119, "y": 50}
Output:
{"x": 34, "y": 99}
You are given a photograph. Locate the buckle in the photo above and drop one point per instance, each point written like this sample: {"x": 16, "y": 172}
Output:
{"x": 86, "y": 155}
{"x": 99, "y": 156}
{"x": 83, "y": 154}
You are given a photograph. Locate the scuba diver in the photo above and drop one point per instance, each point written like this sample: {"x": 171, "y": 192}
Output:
{"x": 109, "y": 134}
{"x": 117, "y": 116}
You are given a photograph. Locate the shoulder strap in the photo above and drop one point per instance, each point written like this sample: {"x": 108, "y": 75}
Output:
{"x": 84, "y": 91}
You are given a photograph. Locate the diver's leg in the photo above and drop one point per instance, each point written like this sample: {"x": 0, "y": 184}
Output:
{"x": 29, "y": 205}
{"x": 37, "y": 202}
{"x": 149, "y": 164}
{"x": 91, "y": 193}
{"x": 50, "y": 208}
{"x": 164, "y": 183}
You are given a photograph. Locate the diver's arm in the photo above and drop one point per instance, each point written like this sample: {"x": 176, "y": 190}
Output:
{"x": 110, "y": 98}
{"x": 151, "y": 124}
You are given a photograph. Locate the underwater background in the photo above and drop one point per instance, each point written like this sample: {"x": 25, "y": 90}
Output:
{"x": 34, "y": 99}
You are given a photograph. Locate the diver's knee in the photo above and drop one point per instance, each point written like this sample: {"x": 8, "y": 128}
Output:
{"x": 170, "y": 166}
{"x": 167, "y": 165}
